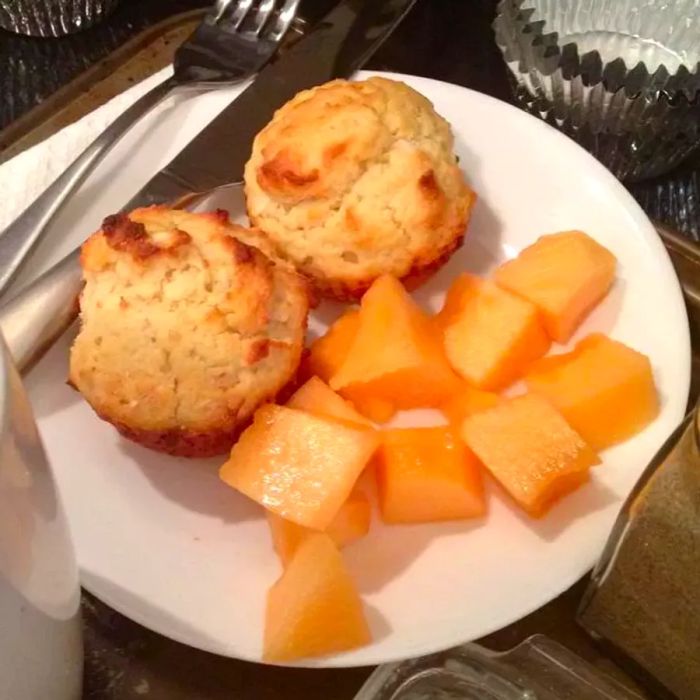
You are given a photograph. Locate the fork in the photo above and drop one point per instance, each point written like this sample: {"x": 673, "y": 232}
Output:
{"x": 234, "y": 40}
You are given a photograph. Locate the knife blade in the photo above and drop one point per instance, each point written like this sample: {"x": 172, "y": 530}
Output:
{"x": 335, "y": 47}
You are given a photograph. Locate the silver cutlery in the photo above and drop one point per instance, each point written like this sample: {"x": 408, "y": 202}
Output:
{"x": 234, "y": 40}
{"x": 337, "y": 46}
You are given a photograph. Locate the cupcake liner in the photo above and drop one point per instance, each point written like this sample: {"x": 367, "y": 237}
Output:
{"x": 631, "y": 113}
{"x": 52, "y": 18}
{"x": 674, "y": 200}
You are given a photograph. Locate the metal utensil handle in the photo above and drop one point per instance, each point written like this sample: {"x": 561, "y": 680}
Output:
{"x": 20, "y": 237}
{"x": 31, "y": 321}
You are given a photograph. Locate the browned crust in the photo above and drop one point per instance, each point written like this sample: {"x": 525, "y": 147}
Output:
{"x": 282, "y": 174}
{"x": 123, "y": 234}
{"x": 128, "y": 236}
{"x": 351, "y": 291}
{"x": 429, "y": 186}
{"x": 182, "y": 443}
{"x": 421, "y": 270}
{"x": 244, "y": 254}
{"x": 220, "y": 215}
{"x": 258, "y": 350}
{"x": 424, "y": 266}
{"x": 198, "y": 445}
{"x": 216, "y": 441}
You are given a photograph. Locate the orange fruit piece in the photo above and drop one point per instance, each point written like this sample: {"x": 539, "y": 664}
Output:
{"x": 490, "y": 335}
{"x": 377, "y": 410}
{"x": 313, "y": 608}
{"x": 530, "y": 450}
{"x": 427, "y": 474}
{"x": 565, "y": 275}
{"x": 353, "y": 520}
{"x": 467, "y": 401}
{"x": 603, "y": 388}
{"x": 350, "y": 524}
{"x": 286, "y": 536}
{"x": 299, "y": 465}
{"x": 328, "y": 352}
{"x": 396, "y": 356}
{"x": 317, "y": 397}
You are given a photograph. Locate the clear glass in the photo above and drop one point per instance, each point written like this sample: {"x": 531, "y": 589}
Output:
{"x": 644, "y": 598}
{"x": 621, "y": 77}
{"x": 40, "y": 628}
{"x": 537, "y": 669}
{"x": 52, "y": 17}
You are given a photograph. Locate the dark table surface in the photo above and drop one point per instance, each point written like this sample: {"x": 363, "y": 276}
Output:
{"x": 446, "y": 39}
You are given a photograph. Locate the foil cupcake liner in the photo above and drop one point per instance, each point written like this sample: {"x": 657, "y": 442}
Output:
{"x": 52, "y": 18}
{"x": 674, "y": 200}
{"x": 599, "y": 71}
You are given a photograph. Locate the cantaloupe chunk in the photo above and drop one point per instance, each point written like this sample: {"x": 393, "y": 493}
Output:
{"x": 377, "y": 410}
{"x": 352, "y": 521}
{"x": 530, "y": 450}
{"x": 603, "y": 388}
{"x": 396, "y": 356}
{"x": 565, "y": 275}
{"x": 466, "y": 402}
{"x": 490, "y": 335}
{"x": 313, "y": 608}
{"x": 286, "y": 536}
{"x": 317, "y": 397}
{"x": 299, "y": 465}
{"x": 427, "y": 474}
{"x": 366, "y": 482}
{"x": 328, "y": 352}
{"x": 350, "y": 524}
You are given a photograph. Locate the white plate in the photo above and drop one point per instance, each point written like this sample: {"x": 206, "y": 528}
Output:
{"x": 166, "y": 543}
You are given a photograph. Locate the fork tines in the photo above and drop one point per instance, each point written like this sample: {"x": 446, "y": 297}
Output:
{"x": 252, "y": 17}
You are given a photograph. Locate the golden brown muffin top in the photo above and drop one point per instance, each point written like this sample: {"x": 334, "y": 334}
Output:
{"x": 354, "y": 179}
{"x": 183, "y": 324}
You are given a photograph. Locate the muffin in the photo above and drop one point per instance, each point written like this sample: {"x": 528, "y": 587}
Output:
{"x": 185, "y": 328}
{"x": 351, "y": 180}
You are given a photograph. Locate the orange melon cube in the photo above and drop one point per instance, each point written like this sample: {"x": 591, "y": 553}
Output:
{"x": 461, "y": 286}
{"x": 352, "y": 521}
{"x": 466, "y": 402}
{"x": 317, "y": 397}
{"x": 396, "y": 356}
{"x": 350, "y": 524}
{"x": 328, "y": 352}
{"x": 530, "y": 450}
{"x": 603, "y": 388}
{"x": 490, "y": 335}
{"x": 427, "y": 474}
{"x": 366, "y": 483}
{"x": 286, "y": 536}
{"x": 565, "y": 275}
{"x": 314, "y": 607}
{"x": 299, "y": 465}
{"x": 377, "y": 410}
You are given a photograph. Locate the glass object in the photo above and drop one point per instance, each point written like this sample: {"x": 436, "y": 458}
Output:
{"x": 621, "y": 77}
{"x": 644, "y": 598}
{"x": 536, "y": 669}
{"x": 40, "y": 630}
{"x": 52, "y": 17}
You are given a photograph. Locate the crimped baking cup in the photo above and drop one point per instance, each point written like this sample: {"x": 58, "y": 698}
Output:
{"x": 621, "y": 77}
{"x": 52, "y": 18}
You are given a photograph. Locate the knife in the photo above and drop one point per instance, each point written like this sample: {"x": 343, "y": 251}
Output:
{"x": 334, "y": 48}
